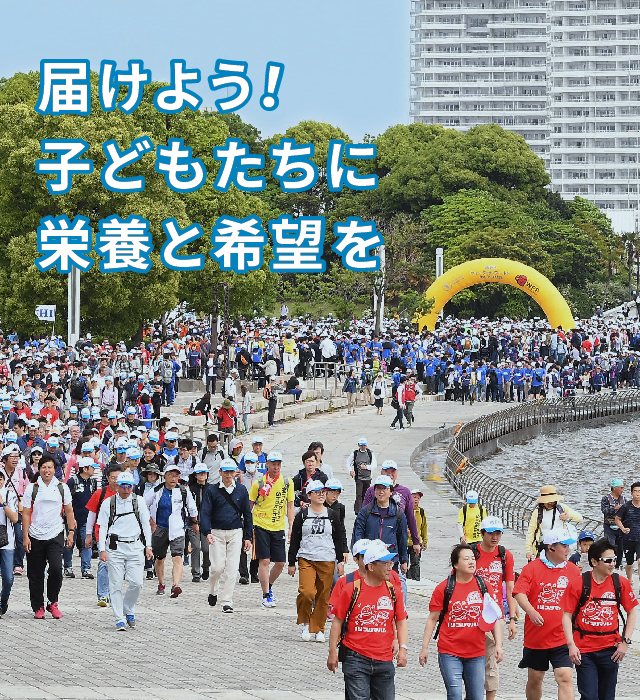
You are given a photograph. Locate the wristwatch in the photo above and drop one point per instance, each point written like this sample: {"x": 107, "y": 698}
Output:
{"x": 627, "y": 640}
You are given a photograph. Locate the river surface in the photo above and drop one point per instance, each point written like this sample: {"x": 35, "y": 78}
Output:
{"x": 580, "y": 463}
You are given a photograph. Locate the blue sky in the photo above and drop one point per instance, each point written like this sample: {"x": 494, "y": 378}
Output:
{"x": 346, "y": 62}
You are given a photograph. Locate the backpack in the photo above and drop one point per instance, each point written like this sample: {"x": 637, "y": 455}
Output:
{"x": 342, "y": 650}
{"x": 501, "y": 552}
{"x": 76, "y": 389}
{"x": 467, "y": 343}
{"x": 448, "y": 593}
{"x": 167, "y": 371}
{"x": 355, "y": 452}
{"x": 585, "y": 597}
{"x": 464, "y": 514}
{"x": 113, "y": 517}
{"x": 368, "y": 378}
{"x": 183, "y": 493}
{"x": 261, "y": 483}
{"x": 267, "y": 392}
{"x": 243, "y": 360}
{"x": 34, "y": 493}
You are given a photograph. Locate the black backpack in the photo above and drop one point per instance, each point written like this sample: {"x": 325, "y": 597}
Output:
{"x": 585, "y": 597}
{"x": 76, "y": 389}
{"x": 448, "y": 593}
{"x": 183, "y": 493}
{"x": 502, "y": 552}
{"x": 113, "y": 517}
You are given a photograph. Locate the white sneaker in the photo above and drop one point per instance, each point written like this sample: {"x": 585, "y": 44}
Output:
{"x": 320, "y": 637}
{"x": 306, "y": 635}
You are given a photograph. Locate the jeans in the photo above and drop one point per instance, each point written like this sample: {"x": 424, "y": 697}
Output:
{"x": 85, "y": 554}
{"x": 45, "y": 552}
{"x": 399, "y": 417}
{"x": 615, "y": 539}
{"x": 296, "y": 393}
{"x": 368, "y": 679}
{"x": 361, "y": 490}
{"x": 18, "y": 552}
{"x": 102, "y": 579}
{"x": 6, "y": 571}
{"x": 167, "y": 393}
{"x": 455, "y": 670}
{"x": 597, "y": 675}
{"x": 273, "y": 403}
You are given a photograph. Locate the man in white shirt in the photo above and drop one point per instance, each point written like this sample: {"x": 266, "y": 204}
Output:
{"x": 124, "y": 539}
{"x": 169, "y": 505}
{"x": 43, "y": 535}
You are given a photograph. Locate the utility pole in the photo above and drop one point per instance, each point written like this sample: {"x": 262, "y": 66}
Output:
{"x": 378, "y": 296}
{"x": 73, "y": 306}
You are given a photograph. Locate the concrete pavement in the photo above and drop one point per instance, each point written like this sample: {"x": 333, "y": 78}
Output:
{"x": 184, "y": 649}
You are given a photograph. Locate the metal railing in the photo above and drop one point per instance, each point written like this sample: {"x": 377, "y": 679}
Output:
{"x": 510, "y": 504}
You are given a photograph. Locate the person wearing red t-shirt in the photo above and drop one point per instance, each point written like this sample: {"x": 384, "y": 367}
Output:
{"x": 539, "y": 592}
{"x": 461, "y": 642}
{"x": 358, "y": 551}
{"x": 369, "y": 639}
{"x": 595, "y": 644}
{"x": 49, "y": 411}
{"x": 93, "y": 506}
{"x": 489, "y": 567}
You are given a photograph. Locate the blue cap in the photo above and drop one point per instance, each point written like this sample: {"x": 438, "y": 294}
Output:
{"x": 616, "y": 482}
{"x": 586, "y": 535}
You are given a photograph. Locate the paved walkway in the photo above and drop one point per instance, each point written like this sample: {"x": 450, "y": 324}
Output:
{"x": 185, "y": 650}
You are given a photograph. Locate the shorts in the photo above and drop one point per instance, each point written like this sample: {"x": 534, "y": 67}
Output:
{"x": 270, "y": 545}
{"x": 535, "y": 390}
{"x": 539, "y": 659}
{"x": 160, "y": 544}
{"x": 491, "y": 674}
{"x": 632, "y": 551}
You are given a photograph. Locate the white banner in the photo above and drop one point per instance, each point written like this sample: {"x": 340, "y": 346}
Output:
{"x": 46, "y": 312}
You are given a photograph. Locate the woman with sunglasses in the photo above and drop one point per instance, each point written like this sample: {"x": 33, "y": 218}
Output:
{"x": 317, "y": 544}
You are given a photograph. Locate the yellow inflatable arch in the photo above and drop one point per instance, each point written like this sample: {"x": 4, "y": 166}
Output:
{"x": 503, "y": 271}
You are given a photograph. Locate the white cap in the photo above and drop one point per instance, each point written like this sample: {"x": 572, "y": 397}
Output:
{"x": 334, "y": 484}
{"x": 154, "y": 435}
{"x": 363, "y": 441}
{"x": 315, "y": 485}
{"x": 125, "y": 478}
{"x": 360, "y": 546}
{"x": 228, "y": 465}
{"x": 492, "y": 524}
{"x": 200, "y": 468}
{"x": 389, "y": 464}
{"x": 171, "y": 436}
{"x": 472, "y": 496}
{"x": 559, "y": 536}
{"x": 86, "y": 462}
{"x": 234, "y": 443}
{"x": 377, "y": 551}
{"x": 383, "y": 481}
{"x": 10, "y": 449}
{"x": 34, "y": 424}
{"x": 274, "y": 457}
{"x": 257, "y": 438}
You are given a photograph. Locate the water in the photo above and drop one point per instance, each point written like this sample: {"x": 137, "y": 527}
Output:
{"x": 580, "y": 463}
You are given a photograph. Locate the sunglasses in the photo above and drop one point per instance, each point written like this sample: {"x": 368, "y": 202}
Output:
{"x": 608, "y": 560}
{"x": 125, "y": 486}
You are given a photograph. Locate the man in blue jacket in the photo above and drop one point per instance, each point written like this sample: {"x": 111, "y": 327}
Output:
{"x": 382, "y": 520}
{"x": 225, "y": 520}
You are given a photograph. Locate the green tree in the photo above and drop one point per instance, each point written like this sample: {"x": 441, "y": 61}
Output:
{"x": 116, "y": 303}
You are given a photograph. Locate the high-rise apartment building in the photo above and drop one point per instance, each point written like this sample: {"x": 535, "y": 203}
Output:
{"x": 565, "y": 74}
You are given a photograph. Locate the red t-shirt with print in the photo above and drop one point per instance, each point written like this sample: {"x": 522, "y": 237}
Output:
{"x": 544, "y": 588}
{"x": 489, "y": 567}
{"x": 600, "y": 613}
{"x": 370, "y": 630}
{"x": 460, "y": 634}
{"x": 342, "y": 582}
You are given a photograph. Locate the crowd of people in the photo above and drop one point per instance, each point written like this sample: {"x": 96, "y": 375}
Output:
{"x": 90, "y": 464}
